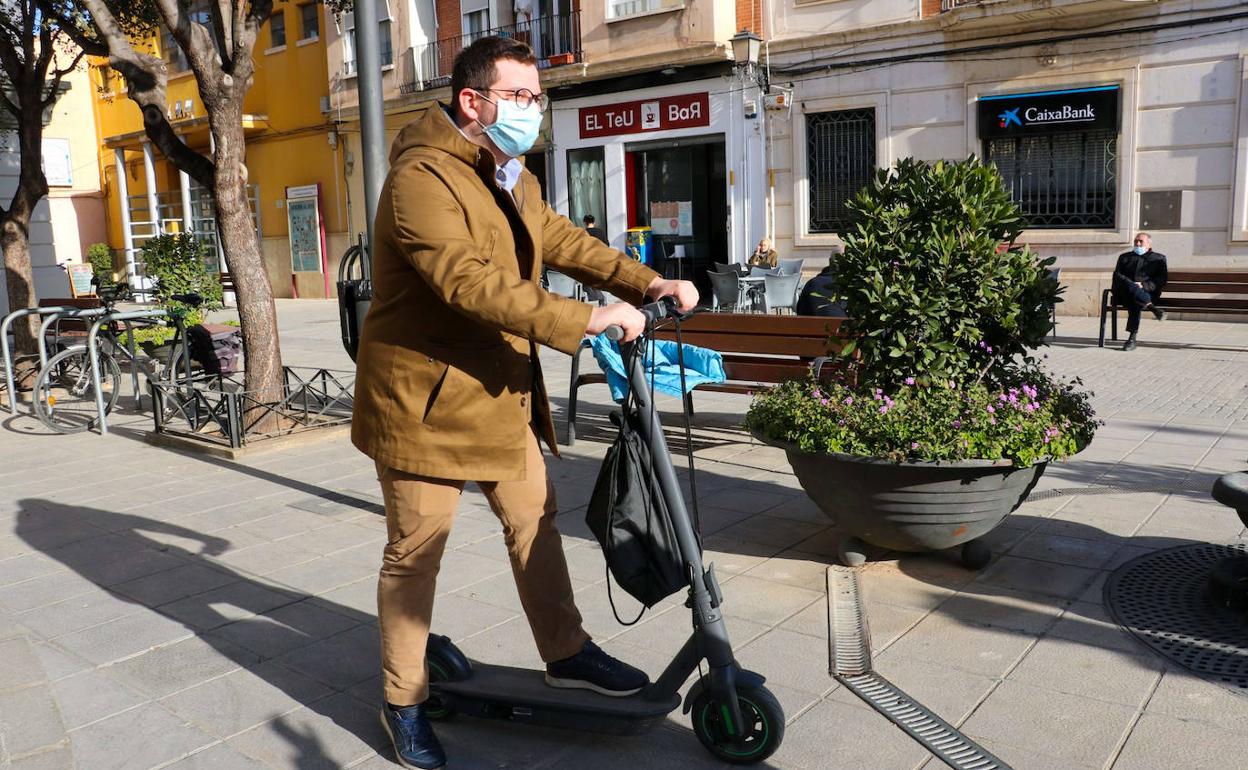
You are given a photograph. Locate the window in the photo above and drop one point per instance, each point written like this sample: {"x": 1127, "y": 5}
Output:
{"x": 587, "y": 185}
{"x": 476, "y": 24}
{"x": 619, "y": 9}
{"x": 1060, "y": 180}
{"x": 840, "y": 161}
{"x": 277, "y": 30}
{"x": 310, "y": 21}
{"x": 383, "y": 32}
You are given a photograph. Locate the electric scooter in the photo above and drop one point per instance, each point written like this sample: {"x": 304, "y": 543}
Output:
{"x": 734, "y": 716}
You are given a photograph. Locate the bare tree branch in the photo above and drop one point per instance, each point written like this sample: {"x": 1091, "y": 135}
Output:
{"x": 58, "y": 75}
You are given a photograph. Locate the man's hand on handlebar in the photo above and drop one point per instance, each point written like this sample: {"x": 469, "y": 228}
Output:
{"x": 685, "y": 292}
{"x": 620, "y": 314}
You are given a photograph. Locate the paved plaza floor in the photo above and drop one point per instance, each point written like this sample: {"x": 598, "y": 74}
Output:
{"x": 161, "y": 609}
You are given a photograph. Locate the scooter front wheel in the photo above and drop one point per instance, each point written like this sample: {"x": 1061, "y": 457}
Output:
{"x": 764, "y": 726}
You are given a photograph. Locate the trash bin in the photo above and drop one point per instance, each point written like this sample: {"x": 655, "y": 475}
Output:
{"x": 637, "y": 244}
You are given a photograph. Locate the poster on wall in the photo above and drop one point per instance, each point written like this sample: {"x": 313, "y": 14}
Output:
{"x": 303, "y": 218}
{"x": 664, "y": 217}
{"x": 57, "y": 165}
{"x": 684, "y": 218}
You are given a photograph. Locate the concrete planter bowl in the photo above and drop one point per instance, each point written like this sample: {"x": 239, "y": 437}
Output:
{"x": 912, "y": 506}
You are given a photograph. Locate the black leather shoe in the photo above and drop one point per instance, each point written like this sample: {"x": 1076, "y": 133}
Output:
{"x": 415, "y": 745}
{"x": 593, "y": 669}
{"x": 1158, "y": 313}
{"x": 1130, "y": 344}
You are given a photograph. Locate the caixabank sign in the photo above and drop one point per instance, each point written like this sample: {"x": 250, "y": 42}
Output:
{"x": 1045, "y": 112}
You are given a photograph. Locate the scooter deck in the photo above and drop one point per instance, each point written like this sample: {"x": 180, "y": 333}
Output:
{"x": 522, "y": 695}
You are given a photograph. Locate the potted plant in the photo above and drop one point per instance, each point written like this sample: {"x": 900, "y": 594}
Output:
{"x": 943, "y": 420}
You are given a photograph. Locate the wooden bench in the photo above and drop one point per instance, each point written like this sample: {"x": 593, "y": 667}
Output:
{"x": 759, "y": 351}
{"x": 1186, "y": 284}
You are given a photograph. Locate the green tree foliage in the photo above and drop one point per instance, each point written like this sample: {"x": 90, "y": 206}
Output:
{"x": 178, "y": 265}
{"x": 932, "y": 279}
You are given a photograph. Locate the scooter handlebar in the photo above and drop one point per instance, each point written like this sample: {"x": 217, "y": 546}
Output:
{"x": 654, "y": 312}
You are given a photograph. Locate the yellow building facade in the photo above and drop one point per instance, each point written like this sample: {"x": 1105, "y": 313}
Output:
{"x": 294, "y": 158}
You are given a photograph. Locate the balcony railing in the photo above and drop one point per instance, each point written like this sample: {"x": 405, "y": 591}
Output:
{"x": 949, "y": 5}
{"x": 555, "y": 40}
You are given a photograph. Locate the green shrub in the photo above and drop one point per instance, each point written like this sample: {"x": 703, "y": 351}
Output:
{"x": 178, "y": 264}
{"x": 932, "y": 280}
{"x": 153, "y": 336}
{"x": 945, "y": 311}
{"x": 1027, "y": 420}
{"x": 100, "y": 257}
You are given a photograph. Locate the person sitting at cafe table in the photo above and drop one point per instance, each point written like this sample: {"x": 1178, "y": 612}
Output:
{"x": 764, "y": 255}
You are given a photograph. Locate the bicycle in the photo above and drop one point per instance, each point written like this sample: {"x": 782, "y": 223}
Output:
{"x": 64, "y": 394}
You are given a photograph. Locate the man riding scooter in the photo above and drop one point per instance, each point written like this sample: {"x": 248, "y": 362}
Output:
{"x": 449, "y": 387}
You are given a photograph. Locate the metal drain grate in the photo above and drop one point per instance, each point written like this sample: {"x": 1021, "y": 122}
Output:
{"x": 1186, "y": 485}
{"x": 849, "y": 660}
{"x": 1161, "y": 599}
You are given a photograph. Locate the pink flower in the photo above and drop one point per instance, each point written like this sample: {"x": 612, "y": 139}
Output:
{"x": 957, "y": 423}
{"x": 823, "y": 401}
{"x": 849, "y": 401}
{"x": 909, "y": 380}
{"x": 914, "y": 445}
{"x": 991, "y": 410}
{"x": 884, "y": 410}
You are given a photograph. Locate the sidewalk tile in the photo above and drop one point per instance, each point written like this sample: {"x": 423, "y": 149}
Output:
{"x": 143, "y": 737}
{"x": 92, "y": 695}
{"x": 182, "y": 665}
{"x": 1160, "y": 741}
{"x": 243, "y": 699}
{"x": 1043, "y": 721}
{"x": 1091, "y": 672}
{"x": 32, "y": 720}
{"x": 332, "y": 732}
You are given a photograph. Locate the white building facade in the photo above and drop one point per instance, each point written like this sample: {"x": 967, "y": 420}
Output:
{"x": 1105, "y": 118}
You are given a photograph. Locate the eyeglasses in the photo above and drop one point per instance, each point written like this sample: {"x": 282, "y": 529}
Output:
{"x": 523, "y": 97}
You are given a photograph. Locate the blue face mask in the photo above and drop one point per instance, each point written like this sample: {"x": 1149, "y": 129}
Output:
{"x": 514, "y": 131}
{"x": 1140, "y": 250}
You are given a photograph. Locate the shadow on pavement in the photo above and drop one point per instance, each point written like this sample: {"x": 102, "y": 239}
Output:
{"x": 316, "y": 652}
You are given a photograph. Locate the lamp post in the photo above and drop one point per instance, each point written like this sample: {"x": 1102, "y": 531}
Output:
{"x": 745, "y": 49}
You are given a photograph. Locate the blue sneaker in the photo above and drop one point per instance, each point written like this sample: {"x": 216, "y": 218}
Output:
{"x": 593, "y": 669}
{"x": 415, "y": 745}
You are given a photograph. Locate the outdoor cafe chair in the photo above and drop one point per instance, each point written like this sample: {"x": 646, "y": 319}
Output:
{"x": 780, "y": 292}
{"x": 563, "y": 285}
{"x": 726, "y": 290}
{"x": 791, "y": 266}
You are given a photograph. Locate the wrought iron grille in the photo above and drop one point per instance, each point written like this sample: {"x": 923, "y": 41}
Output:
{"x": 1060, "y": 180}
{"x": 840, "y": 159}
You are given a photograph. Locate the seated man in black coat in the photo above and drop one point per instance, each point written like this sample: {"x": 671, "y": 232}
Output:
{"x": 1139, "y": 277}
{"x": 814, "y": 299}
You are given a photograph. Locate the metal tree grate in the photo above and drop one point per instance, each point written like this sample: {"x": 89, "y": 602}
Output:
{"x": 1161, "y": 599}
{"x": 849, "y": 660}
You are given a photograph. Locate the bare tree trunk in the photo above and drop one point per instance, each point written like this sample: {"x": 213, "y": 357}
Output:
{"x": 237, "y": 232}
{"x": 21, "y": 293}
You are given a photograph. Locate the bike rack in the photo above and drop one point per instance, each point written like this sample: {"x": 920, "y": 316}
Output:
{"x": 94, "y": 356}
{"x": 5, "y": 324}
{"x": 76, "y": 312}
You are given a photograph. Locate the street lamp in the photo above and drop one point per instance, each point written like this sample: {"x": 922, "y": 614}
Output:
{"x": 745, "y": 48}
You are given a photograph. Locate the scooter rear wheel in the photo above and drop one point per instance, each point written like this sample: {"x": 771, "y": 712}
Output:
{"x": 764, "y": 726}
{"x": 435, "y": 707}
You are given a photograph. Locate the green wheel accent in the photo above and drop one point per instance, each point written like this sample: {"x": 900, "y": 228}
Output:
{"x": 763, "y": 728}
{"x": 435, "y": 708}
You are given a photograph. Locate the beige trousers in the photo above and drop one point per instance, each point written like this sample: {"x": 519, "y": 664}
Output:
{"x": 419, "y": 511}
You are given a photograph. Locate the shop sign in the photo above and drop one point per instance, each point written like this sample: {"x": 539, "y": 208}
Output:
{"x": 669, "y": 112}
{"x": 1045, "y": 112}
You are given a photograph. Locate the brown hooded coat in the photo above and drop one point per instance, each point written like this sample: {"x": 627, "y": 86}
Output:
{"x": 447, "y": 374}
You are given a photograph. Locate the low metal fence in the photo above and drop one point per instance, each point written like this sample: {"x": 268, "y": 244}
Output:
{"x": 217, "y": 410}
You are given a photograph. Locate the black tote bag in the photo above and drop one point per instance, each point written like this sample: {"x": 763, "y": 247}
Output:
{"x": 629, "y": 516}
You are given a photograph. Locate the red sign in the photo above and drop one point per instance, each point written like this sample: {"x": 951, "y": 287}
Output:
{"x": 686, "y": 111}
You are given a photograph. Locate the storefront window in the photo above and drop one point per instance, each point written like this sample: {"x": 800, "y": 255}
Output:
{"x": 1060, "y": 180}
{"x": 587, "y": 186}
{"x": 840, "y": 159}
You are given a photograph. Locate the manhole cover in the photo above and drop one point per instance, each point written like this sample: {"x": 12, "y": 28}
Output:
{"x": 1162, "y": 598}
